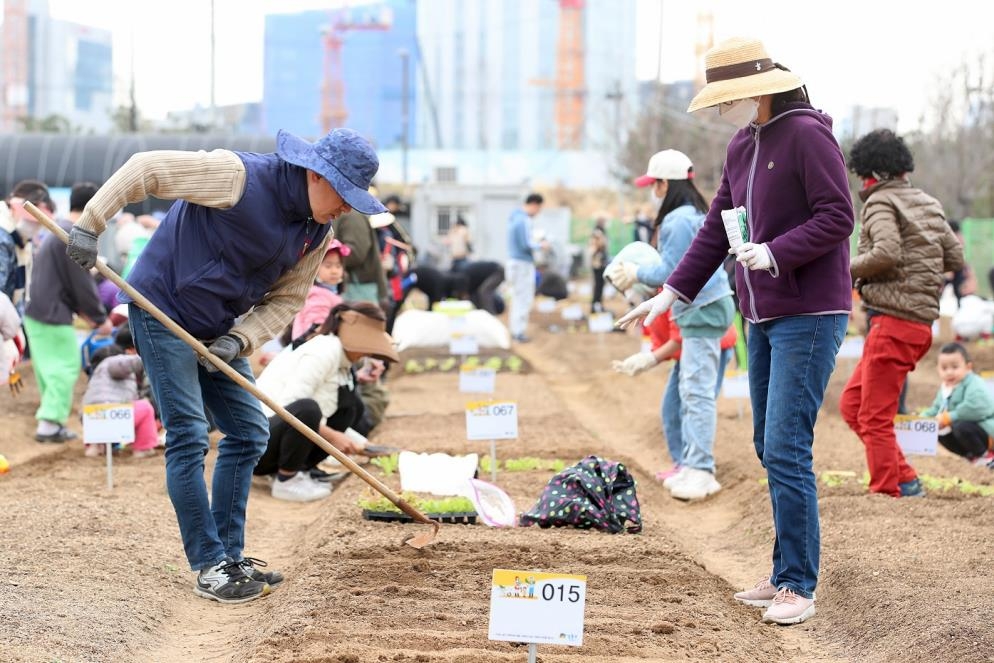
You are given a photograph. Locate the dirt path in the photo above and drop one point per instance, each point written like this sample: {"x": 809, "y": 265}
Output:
{"x": 699, "y": 525}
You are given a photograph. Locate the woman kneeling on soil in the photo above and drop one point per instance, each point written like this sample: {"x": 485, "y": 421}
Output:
{"x": 786, "y": 169}
{"x": 313, "y": 381}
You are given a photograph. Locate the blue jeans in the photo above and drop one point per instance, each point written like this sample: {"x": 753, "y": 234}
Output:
{"x": 214, "y": 530}
{"x": 790, "y": 362}
{"x": 670, "y": 407}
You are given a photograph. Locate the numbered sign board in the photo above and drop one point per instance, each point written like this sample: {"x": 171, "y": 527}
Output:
{"x": 851, "y": 348}
{"x": 544, "y": 608}
{"x": 573, "y": 312}
{"x": 108, "y": 423}
{"x": 463, "y": 344}
{"x": 545, "y": 304}
{"x": 916, "y": 435}
{"x": 735, "y": 385}
{"x": 491, "y": 420}
{"x": 477, "y": 380}
{"x": 600, "y": 323}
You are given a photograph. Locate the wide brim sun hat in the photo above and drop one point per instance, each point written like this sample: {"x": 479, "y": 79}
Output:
{"x": 342, "y": 157}
{"x": 666, "y": 165}
{"x": 740, "y": 68}
{"x": 359, "y": 333}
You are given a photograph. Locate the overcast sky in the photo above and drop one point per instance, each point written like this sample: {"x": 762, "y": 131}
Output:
{"x": 851, "y": 52}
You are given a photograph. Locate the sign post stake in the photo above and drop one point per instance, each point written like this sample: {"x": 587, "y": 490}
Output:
{"x": 493, "y": 460}
{"x": 110, "y": 466}
{"x": 532, "y": 652}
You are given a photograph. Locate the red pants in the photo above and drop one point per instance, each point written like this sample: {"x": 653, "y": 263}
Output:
{"x": 869, "y": 401}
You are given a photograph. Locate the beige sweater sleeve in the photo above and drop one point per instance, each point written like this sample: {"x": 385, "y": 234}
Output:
{"x": 212, "y": 179}
{"x": 270, "y": 316}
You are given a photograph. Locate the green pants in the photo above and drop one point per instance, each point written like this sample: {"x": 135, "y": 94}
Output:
{"x": 56, "y": 362}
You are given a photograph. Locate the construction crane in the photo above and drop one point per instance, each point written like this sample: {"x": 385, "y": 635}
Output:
{"x": 569, "y": 85}
{"x": 334, "y": 112}
{"x": 14, "y": 89}
{"x": 571, "y": 81}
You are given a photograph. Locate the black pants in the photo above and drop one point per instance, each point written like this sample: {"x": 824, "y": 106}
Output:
{"x": 967, "y": 439}
{"x": 595, "y": 301}
{"x": 485, "y": 296}
{"x": 289, "y": 450}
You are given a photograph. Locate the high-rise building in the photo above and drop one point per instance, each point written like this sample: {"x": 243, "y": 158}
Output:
{"x": 495, "y": 73}
{"x": 68, "y": 73}
{"x": 341, "y": 67}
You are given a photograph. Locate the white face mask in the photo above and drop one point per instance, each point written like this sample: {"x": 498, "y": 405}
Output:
{"x": 739, "y": 113}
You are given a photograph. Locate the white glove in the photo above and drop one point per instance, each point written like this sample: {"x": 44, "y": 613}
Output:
{"x": 650, "y": 309}
{"x": 753, "y": 256}
{"x": 623, "y": 275}
{"x": 635, "y": 364}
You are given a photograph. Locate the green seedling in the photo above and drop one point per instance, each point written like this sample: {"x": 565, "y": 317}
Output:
{"x": 528, "y": 463}
{"x": 486, "y": 464}
{"x": 428, "y": 505}
{"x": 447, "y": 364}
{"x": 430, "y": 363}
{"x": 413, "y": 366}
{"x": 514, "y": 363}
{"x": 388, "y": 464}
{"x": 472, "y": 362}
{"x": 494, "y": 363}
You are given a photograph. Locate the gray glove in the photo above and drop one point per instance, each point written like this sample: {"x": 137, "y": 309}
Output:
{"x": 225, "y": 347}
{"x": 82, "y": 247}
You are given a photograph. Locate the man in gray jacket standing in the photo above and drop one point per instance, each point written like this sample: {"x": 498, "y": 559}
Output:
{"x": 58, "y": 290}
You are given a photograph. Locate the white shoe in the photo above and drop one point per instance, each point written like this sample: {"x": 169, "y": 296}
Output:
{"x": 695, "y": 485}
{"x": 674, "y": 478}
{"x": 300, "y": 488}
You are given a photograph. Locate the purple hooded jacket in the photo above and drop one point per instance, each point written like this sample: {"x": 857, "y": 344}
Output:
{"x": 790, "y": 175}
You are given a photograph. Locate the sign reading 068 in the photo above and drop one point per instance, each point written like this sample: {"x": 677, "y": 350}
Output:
{"x": 917, "y": 425}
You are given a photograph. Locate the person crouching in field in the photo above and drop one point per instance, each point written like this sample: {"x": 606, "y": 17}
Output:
{"x": 117, "y": 378}
{"x": 964, "y": 407}
{"x": 905, "y": 249}
{"x": 313, "y": 381}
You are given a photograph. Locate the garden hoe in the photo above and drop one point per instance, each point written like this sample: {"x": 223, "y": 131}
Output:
{"x": 418, "y": 541}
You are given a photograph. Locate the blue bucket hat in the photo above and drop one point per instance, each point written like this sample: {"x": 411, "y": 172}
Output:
{"x": 342, "y": 157}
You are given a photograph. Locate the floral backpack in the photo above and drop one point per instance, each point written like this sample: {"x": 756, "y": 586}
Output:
{"x": 595, "y": 493}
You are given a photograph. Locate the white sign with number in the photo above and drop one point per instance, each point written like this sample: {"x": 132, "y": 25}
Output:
{"x": 108, "y": 423}
{"x": 491, "y": 420}
{"x": 463, "y": 344}
{"x": 541, "y": 608}
{"x": 573, "y": 312}
{"x": 600, "y": 323}
{"x": 545, "y": 305}
{"x": 735, "y": 385}
{"x": 916, "y": 435}
{"x": 477, "y": 380}
{"x": 851, "y": 348}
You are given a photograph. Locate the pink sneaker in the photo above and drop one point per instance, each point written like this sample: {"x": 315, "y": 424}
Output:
{"x": 789, "y": 608}
{"x": 760, "y": 596}
{"x": 663, "y": 475}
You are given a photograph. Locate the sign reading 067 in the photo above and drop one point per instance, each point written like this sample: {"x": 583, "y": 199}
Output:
{"x": 491, "y": 420}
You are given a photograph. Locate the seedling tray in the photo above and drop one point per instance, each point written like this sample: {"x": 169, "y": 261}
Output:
{"x": 455, "y": 518}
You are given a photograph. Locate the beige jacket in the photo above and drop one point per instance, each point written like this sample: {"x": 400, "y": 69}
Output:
{"x": 905, "y": 248}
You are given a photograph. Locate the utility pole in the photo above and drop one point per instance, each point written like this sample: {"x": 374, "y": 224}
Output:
{"x": 404, "y": 117}
{"x": 616, "y": 95}
{"x": 213, "y": 104}
{"x": 133, "y": 109}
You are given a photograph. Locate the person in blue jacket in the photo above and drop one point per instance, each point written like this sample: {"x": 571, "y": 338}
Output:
{"x": 231, "y": 263}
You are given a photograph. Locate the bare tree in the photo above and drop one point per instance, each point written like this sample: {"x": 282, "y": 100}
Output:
{"x": 954, "y": 157}
{"x": 665, "y": 124}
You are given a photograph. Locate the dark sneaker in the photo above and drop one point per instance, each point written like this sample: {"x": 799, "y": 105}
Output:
{"x": 327, "y": 477}
{"x": 912, "y": 488}
{"x": 58, "y": 437}
{"x": 271, "y": 578}
{"x": 227, "y": 583}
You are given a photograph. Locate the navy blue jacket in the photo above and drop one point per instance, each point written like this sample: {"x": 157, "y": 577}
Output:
{"x": 205, "y": 267}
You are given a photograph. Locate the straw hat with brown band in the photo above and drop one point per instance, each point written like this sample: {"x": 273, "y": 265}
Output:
{"x": 365, "y": 335}
{"x": 740, "y": 68}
